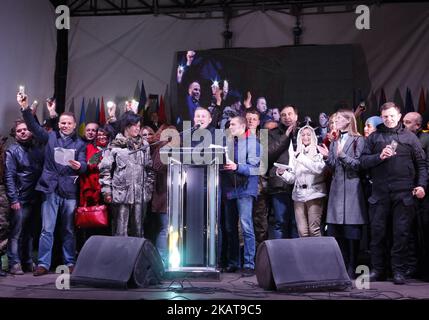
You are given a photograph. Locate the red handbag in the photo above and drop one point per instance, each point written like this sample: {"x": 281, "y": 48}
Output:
{"x": 91, "y": 217}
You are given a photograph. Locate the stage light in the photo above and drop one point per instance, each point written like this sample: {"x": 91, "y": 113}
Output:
{"x": 110, "y": 104}
{"x": 174, "y": 255}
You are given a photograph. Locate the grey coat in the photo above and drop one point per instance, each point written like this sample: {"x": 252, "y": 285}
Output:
{"x": 346, "y": 204}
{"x": 128, "y": 178}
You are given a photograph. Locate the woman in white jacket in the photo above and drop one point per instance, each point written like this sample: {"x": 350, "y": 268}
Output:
{"x": 306, "y": 173}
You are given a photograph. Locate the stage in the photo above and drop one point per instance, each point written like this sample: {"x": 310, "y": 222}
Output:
{"x": 232, "y": 286}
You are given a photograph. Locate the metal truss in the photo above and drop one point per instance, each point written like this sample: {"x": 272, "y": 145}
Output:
{"x": 209, "y": 9}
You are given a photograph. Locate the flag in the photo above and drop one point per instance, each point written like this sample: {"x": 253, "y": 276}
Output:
{"x": 97, "y": 111}
{"x": 382, "y": 98}
{"x": 142, "y": 100}
{"x": 359, "y": 121}
{"x": 409, "y": 105}
{"x": 161, "y": 112}
{"x": 82, "y": 119}
{"x": 374, "y": 109}
{"x": 398, "y": 100}
{"x": 422, "y": 103}
{"x": 102, "y": 118}
{"x": 71, "y": 107}
{"x": 137, "y": 91}
{"x": 167, "y": 105}
{"x": 88, "y": 109}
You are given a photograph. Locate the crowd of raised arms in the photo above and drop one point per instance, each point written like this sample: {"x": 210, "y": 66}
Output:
{"x": 318, "y": 180}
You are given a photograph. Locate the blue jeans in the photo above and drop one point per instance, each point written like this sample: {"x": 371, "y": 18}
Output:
{"x": 53, "y": 205}
{"x": 241, "y": 207}
{"x": 20, "y": 246}
{"x": 158, "y": 222}
{"x": 284, "y": 216}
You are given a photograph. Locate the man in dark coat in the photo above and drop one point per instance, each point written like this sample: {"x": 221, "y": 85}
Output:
{"x": 24, "y": 163}
{"x": 397, "y": 165}
{"x": 4, "y": 206}
{"x": 418, "y": 245}
{"x": 282, "y": 141}
{"x": 65, "y": 160}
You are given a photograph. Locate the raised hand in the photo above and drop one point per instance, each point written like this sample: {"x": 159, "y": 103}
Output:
{"x": 131, "y": 106}
{"x": 323, "y": 149}
{"x": 33, "y": 107}
{"x": 111, "y": 109}
{"x": 180, "y": 71}
{"x": 22, "y": 100}
{"x": 290, "y": 129}
{"x": 218, "y": 96}
{"x": 225, "y": 88}
{"x": 51, "y": 105}
{"x": 248, "y": 101}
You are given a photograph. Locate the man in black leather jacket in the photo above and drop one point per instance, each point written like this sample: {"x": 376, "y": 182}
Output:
{"x": 24, "y": 163}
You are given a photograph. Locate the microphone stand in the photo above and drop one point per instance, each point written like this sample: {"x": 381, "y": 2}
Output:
{"x": 191, "y": 129}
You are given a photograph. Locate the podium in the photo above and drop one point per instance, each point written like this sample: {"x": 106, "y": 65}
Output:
{"x": 193, "y": 204}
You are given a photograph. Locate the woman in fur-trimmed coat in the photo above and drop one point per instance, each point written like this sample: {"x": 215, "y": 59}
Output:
{"x": 126, "y": 178}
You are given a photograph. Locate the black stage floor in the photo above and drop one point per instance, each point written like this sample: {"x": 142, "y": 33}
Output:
{"x": 232, "y": 286}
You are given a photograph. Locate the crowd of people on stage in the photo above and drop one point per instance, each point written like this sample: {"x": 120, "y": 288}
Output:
{"x": 319, "y": 180}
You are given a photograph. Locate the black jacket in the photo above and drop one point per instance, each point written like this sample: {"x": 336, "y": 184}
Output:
{"x": 56, "y": 177}
{"x": 24, "y": 164}
{"x": 278, "y": 151}
{"x": 400, "y": 173}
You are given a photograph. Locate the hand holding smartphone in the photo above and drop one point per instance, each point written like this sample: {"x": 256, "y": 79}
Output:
{"x": 393, "y": 145}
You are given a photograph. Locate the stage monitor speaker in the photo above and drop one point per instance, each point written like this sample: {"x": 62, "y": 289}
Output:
{"x": 118, "y": 262}
{"x": 303, "y": 264}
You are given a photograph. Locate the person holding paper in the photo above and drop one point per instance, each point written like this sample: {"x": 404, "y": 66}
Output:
{"x": 240, "y": 187}
{"x": 309, "y": 191}
{"x": 59, "y": 185}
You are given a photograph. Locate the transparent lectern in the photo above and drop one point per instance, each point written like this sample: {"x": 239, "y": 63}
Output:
{"x": 193, "y": 205}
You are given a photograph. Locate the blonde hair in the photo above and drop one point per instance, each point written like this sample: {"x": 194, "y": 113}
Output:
{"x": 312, "y": 147}
{"x": 350, "y": 116}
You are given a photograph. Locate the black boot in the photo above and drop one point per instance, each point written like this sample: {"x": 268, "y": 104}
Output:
{"x": 342, "y": 243}
{"x": 353, "y": 257}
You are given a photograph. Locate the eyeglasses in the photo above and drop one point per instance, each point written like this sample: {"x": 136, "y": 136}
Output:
{"x": 147, "y": 134}
{"x": 20, "y": 130}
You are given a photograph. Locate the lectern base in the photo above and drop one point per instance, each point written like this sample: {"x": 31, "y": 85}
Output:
{"x": 194, "y": 273}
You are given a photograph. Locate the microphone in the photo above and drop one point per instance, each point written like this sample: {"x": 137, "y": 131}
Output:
{"x": 191, "y": 129}
{"x": 150, "y": 145}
